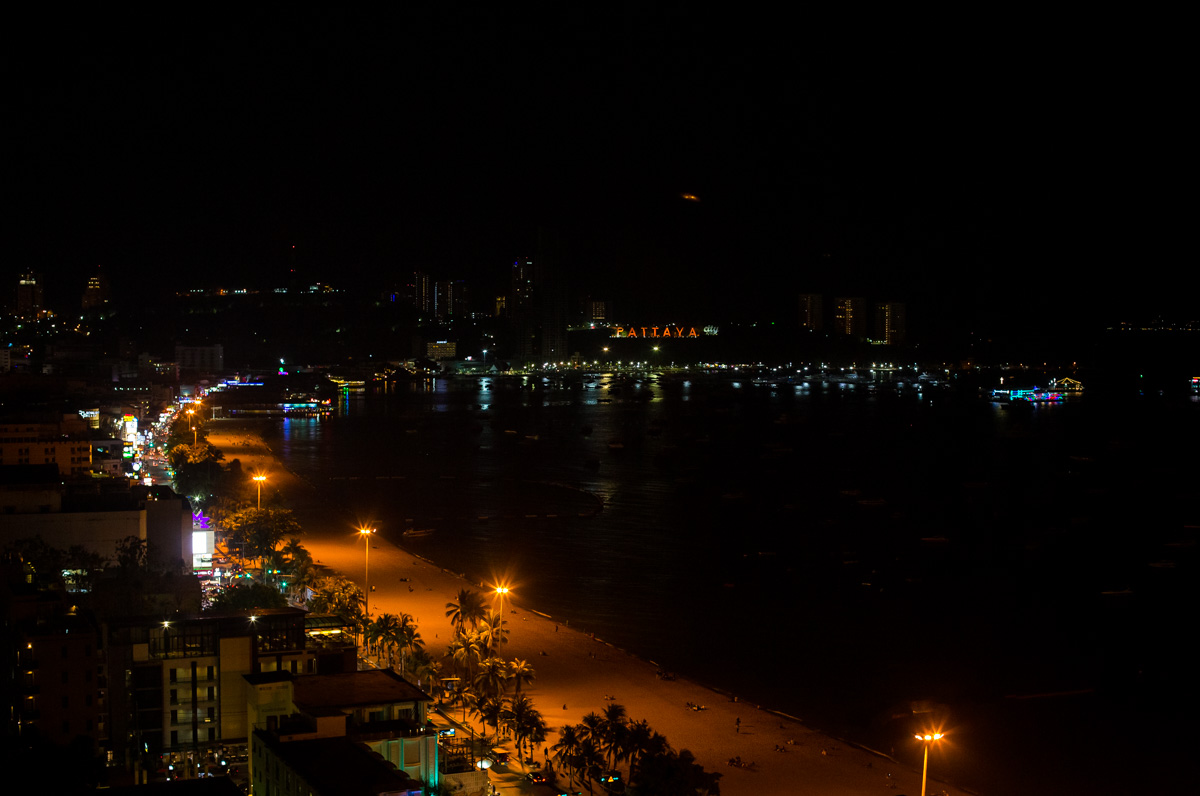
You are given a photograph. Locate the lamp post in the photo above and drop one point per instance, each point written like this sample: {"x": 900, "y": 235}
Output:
{"x": 365, "y": 533}
{"x": 927, "y": 739}
{"x": 501, "y": 591}
{"x": 194, "y": 442}
{"x": 259, "y": 479}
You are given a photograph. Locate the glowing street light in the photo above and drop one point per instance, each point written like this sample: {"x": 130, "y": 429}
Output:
{"x": 260, "y": 479}
{"x": 365, "y": 533}
{"x": 194, "y": 442}
{"x": 501, "y": 592}
{"x": 927, "y": 739}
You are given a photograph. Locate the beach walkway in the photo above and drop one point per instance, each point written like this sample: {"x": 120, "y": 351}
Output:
{"x": 575, "y": 672}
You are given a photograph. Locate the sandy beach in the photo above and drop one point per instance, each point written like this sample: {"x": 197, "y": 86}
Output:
{"x": 575, "y": 672}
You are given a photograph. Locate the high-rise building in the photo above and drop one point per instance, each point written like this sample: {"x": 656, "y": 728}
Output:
{"x": 63, "y": 444}
{"x": 520, "y": 297}
{"x": 200, "y": 358}
{"x": 811, "y": 315}
{"x": 552, "y": 305}
{"x": 183, "y": 679}
{"x": 452, "y": 300}
{"x": 424, "y": 295}
{"x": 521, "y": 309}
{"x": 441, "y": 349}
{"x": 850, "y": 316}
{"x": 55, "y": 665}
{"x": 537, "y": 305}
{"x": 29, "y": 296}
{"x": 96, "y": 294}
{"x": 596, "y": 312}
{"x": 889, "y": 322}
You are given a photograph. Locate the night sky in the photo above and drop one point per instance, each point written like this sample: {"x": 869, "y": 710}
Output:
{"x": 993, "y": 176}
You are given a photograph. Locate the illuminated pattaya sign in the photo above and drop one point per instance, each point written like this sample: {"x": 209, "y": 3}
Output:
{"x": 654, "y": 331}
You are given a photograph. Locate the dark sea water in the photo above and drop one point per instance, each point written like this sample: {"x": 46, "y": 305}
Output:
{"x": 838, "y": 553}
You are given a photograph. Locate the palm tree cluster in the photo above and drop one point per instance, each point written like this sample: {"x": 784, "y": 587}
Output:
{"x": 393, "y": 636}
{"x": 484, "y": 678}
{"x": 478, "y": 632}
{"x": 603, "y": 741}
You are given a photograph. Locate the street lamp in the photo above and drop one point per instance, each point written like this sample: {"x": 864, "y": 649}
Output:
{"x": 260, "y": 479}
{"x": 501, "y": 591}
{"x": 927, "y": 739}
{"x": 194, "y": 442}
{"x": 365, "y": 533}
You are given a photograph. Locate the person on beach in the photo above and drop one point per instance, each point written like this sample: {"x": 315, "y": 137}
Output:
{"x": 737, "y": 725}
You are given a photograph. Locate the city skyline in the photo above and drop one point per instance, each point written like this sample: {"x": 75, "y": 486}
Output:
{"x": 444, "y": 143}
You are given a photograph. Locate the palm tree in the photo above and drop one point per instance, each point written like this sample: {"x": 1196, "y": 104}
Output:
{"x": 613, "y": 731}
{"x": 408, "y": 637}
{"x": 526, "y": 723}
{"x": 535, "y": 730}
{"x": 491, "y": 678}
{"x": 490, "y": 709}
{"x": 640, "y": 740}
{"x": 592, "y": 727}
{"x": 465, "y": 652}
{"x": 566, "y": 751}
{"x": 591, "y": 761}
{"x": 388, "y": 634}
{"x": 372, "y": 634}
{"x": 428, "y": 671}
{"x": 493, "y": 632}
{"x": 295, "y": 552}
{"x": 519, "y": 672}
{"x": 468, "y": 609}
{"x": 468, "y": 700}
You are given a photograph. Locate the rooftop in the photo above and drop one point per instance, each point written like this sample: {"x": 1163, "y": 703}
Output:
{"x": 354, "y": 689}
{"x": 340, "y": 765}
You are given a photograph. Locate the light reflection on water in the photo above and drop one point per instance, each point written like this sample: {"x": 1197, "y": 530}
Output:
{"x": 719, "y": 500}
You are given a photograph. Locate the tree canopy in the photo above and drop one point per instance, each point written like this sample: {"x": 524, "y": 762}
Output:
{"x": 257, "y": 532}
{"x": 245, "y": 596}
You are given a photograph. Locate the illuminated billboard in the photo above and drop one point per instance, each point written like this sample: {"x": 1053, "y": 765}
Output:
{"x": 654, "y": 331}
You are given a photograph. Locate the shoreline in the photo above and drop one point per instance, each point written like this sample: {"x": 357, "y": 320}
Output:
{"x": 578, "y": 670}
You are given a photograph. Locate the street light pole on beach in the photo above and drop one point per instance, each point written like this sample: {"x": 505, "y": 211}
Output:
{"x": 501, "y": 591}
{"x": 927, "y": 739}
{"x": 260, "y": 479}
{"x": 365, "y": 533}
